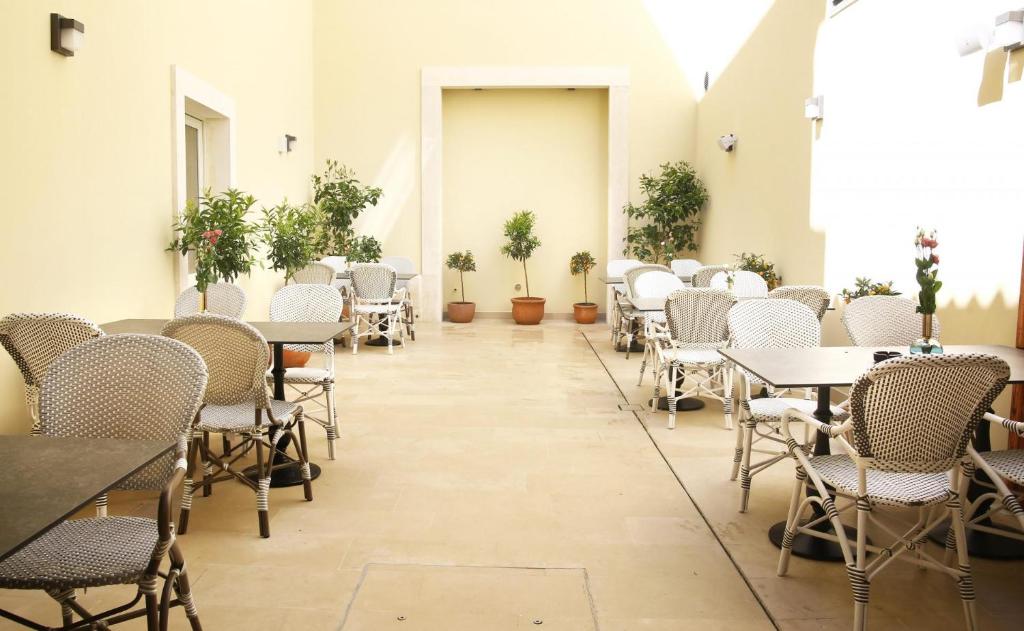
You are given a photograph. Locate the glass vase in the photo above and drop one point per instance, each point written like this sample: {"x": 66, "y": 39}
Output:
{"x": 927, "y": 344}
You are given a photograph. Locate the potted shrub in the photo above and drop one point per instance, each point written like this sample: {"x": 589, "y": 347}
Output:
{"x": 519, "y": 246}
{"x": 865, "y": 287}
{"x": 462, "y": 311}
{"x": 291, "y": 234}
{"x": 341, "y": 198}
{"x": 758, "y": 264}
{"x": 667, "y": 221}
{"x": 218, "y": 236}
{"x": 581, "y": 263}
{"x": 363, "y": 249}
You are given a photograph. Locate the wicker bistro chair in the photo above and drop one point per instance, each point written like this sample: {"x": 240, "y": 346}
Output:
{"x": 632, "y": 320}
{"x": 655, "y": 284}
{"x": 702, "y": 275}
{"x": 997, "y": 466}
{"x": 225, "y": 299}
{"x": 884, "y": 321}
{"x": 620, "y": 308}
{"x": 697, "y": 328}
{"x": 767, "y": 324}
{"x": 743, "y": 284}
{"x": 126, "y": 387}
{"x": 405, "y": 265}
{"x": 314, "y": 274}
{"x": 375, "y": 300}
{"x": 686, "y": 267}
{"x": 236, "y": 402}
{"x": 338, "y": 264}
{"x": 814, "y": 297}
{"x": 911, "y": 423}
{"x": 34, "y": 340}
{"x": 311, "y": 303}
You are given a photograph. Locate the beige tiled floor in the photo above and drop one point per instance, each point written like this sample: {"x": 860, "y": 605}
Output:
{"x": 495, "y": 446}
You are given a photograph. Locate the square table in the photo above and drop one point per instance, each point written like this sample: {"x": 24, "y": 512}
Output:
{"x": 347, "y": 275}
{"x": 618, "y": 280}
{"x": 825, "y": 367}
{"x": 277, "y": 334}
{"x": 48, "y": 479}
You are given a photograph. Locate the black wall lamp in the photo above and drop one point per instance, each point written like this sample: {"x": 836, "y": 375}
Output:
{"x": 66, "y": 35}
{"x": 286, "y": 143}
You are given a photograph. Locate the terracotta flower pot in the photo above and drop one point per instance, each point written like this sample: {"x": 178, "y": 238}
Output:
{"x": 528, "y": 310}
{"x": 585, "y": 312}
{"x": 461, "y": 312}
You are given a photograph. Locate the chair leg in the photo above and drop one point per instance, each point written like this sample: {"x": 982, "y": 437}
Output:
{"x": 183, "y": 589}
{"x": 745, "y": 478}
{"x": 152, "y": 612}
{"x": 727, "y": 374}
{"x": 391, "y": 333}
{"x": 188, "y": 486}
{"x": 263, "y": 485}
{"x": 355, "y": 333}
{"x": 737, "y": 456}
{"x": 858, "y": 578}
{"x": 101, "y": 505}
{"x": 966, "y": 582}
{"x": 332, "y": 419}
{"x": 207, "y": 465}
{"x": 673, "y": 391}
{"x": 63, "y": 598}
{"x": 792, "y": 518}
{"x": 307, "y": 478}
{"x": 643, "y": 365}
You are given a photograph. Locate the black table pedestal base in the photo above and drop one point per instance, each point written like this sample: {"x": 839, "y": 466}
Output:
{"x": 635, "y": 347}
{"x": 380, "y": 341}
{"x": 808, "y": 547}
{"x": 689, "y": 404}
{"x": 291, "y": 476}
{"x": 984, "y": 545}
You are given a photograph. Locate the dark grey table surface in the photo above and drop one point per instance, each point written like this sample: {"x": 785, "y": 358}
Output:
{"x": 841, "y": 365}
{"x": 274, "y": 332}
{"x": 346, "y": 275}
{"x": 46, "y": 480}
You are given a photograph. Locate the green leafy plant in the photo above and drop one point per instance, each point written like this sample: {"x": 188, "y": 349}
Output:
{"x": 761, "y": 266}
{"x": 291, "y": 234}
{"x": 582, "y": 263}
{"x": 668, "y": 219}
{"x": 363, "y": 249}
{"x": 866, "y": 287}
{"x": 461, "y": 262}
{"x": 520, "y": 240}
{"x": 927, "y": 262}
{"x": 218, "y": 235}
{"x": 341, "y": 198}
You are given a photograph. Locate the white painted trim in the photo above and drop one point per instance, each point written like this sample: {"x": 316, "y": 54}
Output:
{"x": 217, "y": 111}
{"x": 436, "y": 79}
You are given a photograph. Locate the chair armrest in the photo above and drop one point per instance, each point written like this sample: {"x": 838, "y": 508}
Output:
{"x": 164, "y": 523}
{"x": 832, "y": 431}
{"x": 400, "y": 294}
{"x": 1012, "y": 426}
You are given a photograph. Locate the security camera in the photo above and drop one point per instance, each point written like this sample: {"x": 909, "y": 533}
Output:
{"x": 727, "y": 143}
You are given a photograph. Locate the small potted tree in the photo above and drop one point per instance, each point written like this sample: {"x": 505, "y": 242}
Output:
{"x": 290, "y": 234}
{"x": 581, "y": 263}
{"x": 363, "y": 249}
{"x": 341, "y": 198}
{"x": 218, "y": 236}
{"x": 462, "y": 311}
{"x": 519, "y": 246}
{"x": 668, "y": 219}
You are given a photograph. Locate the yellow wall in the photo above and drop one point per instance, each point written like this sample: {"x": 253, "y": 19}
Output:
{"x": 540, "y": 150}
{"x": 86, "y": 160}
{"x": 368, "y": 61}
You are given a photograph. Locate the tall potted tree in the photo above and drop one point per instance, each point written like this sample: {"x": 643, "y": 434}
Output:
{"x": 291, "y": 234}
{"x": 216, "y": 233}
{"x": 363, "y": 249}
{"x": 520, "y": 242}
{"x": 581, "y": 263}
{"x": 668, "y": 219}
{"x": 462, "y": 311}
{"x": 341, "y": 198}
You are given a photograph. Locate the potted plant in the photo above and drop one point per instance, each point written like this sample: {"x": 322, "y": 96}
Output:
{"x": 218, "y": 236}
{"x": 927, "y": 263}
{"x": 341, "y": 198}
{"x": 669, "y": 217}
{"x": 462, "y": 311}
{"x": 519, "y": 246}
{"x": 581, "y": 263}
{"x": 363, "y": 249}
{"x": 291, "y": 234}
{"x": 865, "y": 287}
{"x": 758, "y": 264}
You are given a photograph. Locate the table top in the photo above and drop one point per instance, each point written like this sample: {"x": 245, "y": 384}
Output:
{"x": 46, "y": 479}
{"x": 347, "y": 274}
{"x": 841, "y": 365}
{"x": 274, "y": 332}
{"x": 647, "y": 304}
{"x": 618, "y": 280}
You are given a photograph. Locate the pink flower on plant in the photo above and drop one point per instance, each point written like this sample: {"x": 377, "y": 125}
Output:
{"x": 935, "y": 259}
{"x": 213, "y": 235}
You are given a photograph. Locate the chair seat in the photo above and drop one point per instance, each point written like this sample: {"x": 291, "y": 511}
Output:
{"x": 884, "y": 487}
{"x": 705, "y": 356}
{"x": 241, "y": 418}
{"x": 1008, "y": 463}
{"x": 770, "y": 409}
{"x": 83, "y": 553}
{"x": 393, "y": 307}
{"x": 656, "y": 316}
{"x": 304, "y": 374}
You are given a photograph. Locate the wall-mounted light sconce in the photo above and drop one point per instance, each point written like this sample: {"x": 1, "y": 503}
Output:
{"x": 814, "y": 108}
{"x": 286, "y": 143}
{"x": 66, "y": 35}
{"x": 1010, "y": 30}
{"x": 727, "y": 142}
